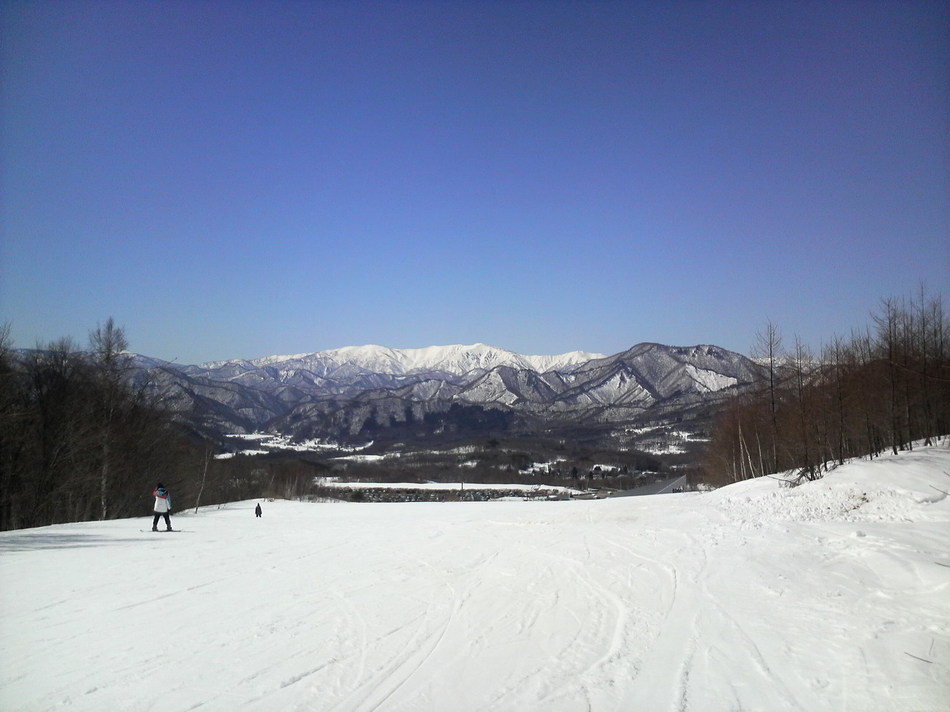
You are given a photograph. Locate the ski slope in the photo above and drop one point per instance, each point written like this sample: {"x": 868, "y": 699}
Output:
{"x": 831, "y": 596}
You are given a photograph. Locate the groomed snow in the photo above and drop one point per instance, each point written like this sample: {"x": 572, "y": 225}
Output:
{"x": 831, "y": 596}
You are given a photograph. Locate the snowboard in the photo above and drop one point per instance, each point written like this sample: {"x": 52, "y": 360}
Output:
{"x": 160, "y": 531}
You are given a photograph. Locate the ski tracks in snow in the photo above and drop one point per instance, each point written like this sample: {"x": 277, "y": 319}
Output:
{"x": 704, "y": 652}
{"x": 416, "y": 641}
{"x": 587, "y": 614}
{"x": 610, "y": 621}
{"x": 681, "y": 603}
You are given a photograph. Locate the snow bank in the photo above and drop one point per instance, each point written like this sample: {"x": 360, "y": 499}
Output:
{"x": 891, "y": 489}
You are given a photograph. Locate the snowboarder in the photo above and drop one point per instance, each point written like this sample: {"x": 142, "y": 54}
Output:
{"x": 163, "y": 505}
{"x": 257, "y": 510}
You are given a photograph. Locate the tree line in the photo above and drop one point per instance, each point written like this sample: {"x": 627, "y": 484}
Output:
{"x": 82, "y": 439}
{"x": 882, "y": 389}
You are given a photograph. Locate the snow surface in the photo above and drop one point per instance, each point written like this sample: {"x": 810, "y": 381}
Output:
{"x": 447, "y": 486}
{"x": 282, "y": 443}
{"x": 830, "y": 596}
{"x": 709, "y": 380}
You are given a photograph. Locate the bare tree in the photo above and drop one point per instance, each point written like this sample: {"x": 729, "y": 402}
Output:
{"x": 886, "y": 388}
{"x": 110, "y": 353}
{"x": 888, "y": 327}
{"x": 768, "y": 346}
{"x": 208, "y": 454}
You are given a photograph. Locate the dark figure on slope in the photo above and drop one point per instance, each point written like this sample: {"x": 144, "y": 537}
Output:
{"x": 163, "y": 505}
{"x": 257, "y": 510}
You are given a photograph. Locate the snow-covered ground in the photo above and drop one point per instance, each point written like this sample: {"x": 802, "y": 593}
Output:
{"x": 446, "y": 486}
{"x": 831, "y": 596}
{"x": 274, "y": 442}
{"x": 662, "y": 439}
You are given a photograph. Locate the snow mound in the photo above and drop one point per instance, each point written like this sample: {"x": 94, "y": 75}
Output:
{"x": 904, "y": 488}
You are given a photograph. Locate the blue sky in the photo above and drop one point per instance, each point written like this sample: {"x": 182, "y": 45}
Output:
{"x": 238, "y": 179}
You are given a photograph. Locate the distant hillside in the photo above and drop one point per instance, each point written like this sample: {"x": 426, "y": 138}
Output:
{"x": 374, "y": 392}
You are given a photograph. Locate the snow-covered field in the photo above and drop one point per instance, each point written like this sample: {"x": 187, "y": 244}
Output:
{"x": 447, "y": 486}
{"x": 831, "y": 596}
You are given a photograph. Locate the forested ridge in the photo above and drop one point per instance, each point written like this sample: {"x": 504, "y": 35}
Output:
{"x": 881, "y": 389}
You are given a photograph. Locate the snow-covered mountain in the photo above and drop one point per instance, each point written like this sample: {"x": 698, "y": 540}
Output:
{"x": 344, "y": 392}
{"x": 455, "y": 359}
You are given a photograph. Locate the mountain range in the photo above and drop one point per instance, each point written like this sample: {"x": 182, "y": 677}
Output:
{"x": 374, "y": 392}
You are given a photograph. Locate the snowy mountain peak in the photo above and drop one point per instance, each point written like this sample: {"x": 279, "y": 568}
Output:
{"x": 339, "y": 393}
{"x": 455, "y": 359}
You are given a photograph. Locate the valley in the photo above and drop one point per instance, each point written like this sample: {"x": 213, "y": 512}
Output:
{"x": 651, "y": 402}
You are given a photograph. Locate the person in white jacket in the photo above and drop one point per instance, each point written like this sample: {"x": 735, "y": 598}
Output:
{"x": 163, "y": 505}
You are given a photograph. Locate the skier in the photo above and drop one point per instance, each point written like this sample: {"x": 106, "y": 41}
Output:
{"x": 163, "y": 505}
{"x": 257, "y": 510}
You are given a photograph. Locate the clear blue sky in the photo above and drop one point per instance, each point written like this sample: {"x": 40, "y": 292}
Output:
{"x": 238, "y": 179}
